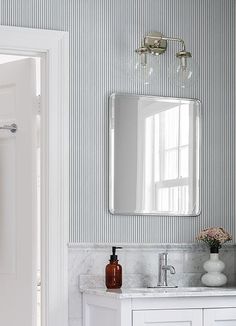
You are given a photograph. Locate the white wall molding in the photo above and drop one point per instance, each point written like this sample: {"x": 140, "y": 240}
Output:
{"x": 54, "y": 47}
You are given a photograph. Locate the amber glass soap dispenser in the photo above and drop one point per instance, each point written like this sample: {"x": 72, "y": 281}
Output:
{"x": 114, "y": 271}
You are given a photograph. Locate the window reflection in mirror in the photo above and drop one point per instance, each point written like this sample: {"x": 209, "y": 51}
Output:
{"x": 154, "y": 155}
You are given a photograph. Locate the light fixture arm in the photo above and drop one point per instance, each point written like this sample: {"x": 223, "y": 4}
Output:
{"x": 156, "y": 43}
{"x": 175, "y": 39}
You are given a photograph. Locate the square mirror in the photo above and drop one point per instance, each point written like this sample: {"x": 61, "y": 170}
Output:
{"x": 154, "y": 155}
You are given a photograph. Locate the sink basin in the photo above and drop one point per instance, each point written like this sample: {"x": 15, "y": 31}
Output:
{"x": 182, "y": 289}
{"x": 169, "y": 290}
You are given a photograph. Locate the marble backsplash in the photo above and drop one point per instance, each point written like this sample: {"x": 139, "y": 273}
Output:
{"x": 140, "y": 267}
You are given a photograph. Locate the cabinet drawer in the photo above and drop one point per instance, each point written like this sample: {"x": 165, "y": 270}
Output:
{"x": 188, "y": 317}
{"x": 220, "y": 317}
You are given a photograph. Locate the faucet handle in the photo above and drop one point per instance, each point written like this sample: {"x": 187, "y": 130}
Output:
{"x": 169, "y": 268}
{"x": 172, "y": 269}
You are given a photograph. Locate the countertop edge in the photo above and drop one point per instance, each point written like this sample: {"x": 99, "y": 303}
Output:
{"x": 222, "y": 292}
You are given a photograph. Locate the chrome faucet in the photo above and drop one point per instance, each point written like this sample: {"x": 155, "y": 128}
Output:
{"x": 163, "y": 269}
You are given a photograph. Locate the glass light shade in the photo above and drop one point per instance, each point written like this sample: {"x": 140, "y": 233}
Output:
{"x": 183, "y": 72}
{"x": 144, "y": 70}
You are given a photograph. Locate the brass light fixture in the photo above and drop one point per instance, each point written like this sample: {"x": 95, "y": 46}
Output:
{"x": 183, "y": 73}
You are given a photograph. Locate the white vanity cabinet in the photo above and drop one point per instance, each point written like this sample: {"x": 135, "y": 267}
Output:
{"x": 140, "y": 307}
{"x": 181, "y": 317}
{"x": 220, "y": 317}
{"x": 185, "y": 317}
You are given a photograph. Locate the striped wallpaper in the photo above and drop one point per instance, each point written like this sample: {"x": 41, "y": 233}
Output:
{"x": 103, "y": 36}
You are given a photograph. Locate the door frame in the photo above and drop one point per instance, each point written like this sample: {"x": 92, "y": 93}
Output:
{"x": 54, "y": 47}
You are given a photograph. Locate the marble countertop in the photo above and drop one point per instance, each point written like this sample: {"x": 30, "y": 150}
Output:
{"x": 163, "y": 292}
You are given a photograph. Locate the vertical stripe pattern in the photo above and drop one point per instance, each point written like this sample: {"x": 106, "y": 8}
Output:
{"x": 103, "y": 36}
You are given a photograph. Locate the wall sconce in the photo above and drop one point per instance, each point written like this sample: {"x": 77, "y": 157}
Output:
{"x": 183, "y": 72}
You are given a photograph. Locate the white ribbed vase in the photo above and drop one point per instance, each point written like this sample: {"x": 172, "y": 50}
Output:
{"x": 214, "y": 267}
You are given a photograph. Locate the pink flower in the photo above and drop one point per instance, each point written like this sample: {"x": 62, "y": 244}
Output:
{"x": 215, "y": 236}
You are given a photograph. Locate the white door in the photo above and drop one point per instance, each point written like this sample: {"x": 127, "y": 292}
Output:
{"x": 18, "y": 195}
{"x": 220, "y": 317}
{"x": 186, "y": 317}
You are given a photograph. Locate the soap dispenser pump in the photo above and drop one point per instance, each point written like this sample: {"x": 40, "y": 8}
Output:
{"x": 114, "y": 271}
